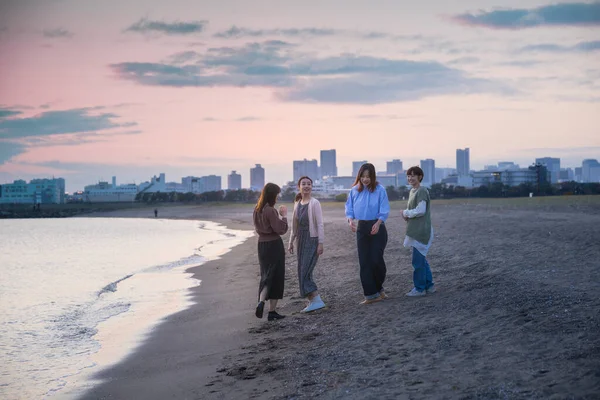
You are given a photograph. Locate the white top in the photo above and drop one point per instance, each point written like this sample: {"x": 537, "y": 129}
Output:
{"x": 315, "y": 220}
{"x": 410, "y": 242}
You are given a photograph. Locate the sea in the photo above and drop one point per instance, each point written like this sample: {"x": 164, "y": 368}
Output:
{"x": 79, "y": 294}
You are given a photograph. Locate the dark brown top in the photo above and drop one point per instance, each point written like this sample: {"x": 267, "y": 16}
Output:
{"x": 268, "y": 225}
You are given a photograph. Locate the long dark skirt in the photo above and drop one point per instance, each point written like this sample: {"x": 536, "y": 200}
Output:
{"x": 271, "y": 256}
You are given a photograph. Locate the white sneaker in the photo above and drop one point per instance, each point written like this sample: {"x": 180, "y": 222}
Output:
{"x": 431, "y": 289}
{"x": 315, "y": 304}
{"x": 414, "y": 292}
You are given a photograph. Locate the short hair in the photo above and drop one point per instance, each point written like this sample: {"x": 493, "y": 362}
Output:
{"x": 416, "y": 171}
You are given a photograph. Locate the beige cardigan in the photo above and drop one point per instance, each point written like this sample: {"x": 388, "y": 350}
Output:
{"x": 315, "y": 221}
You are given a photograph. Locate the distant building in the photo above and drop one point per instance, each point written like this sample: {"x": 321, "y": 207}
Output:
{"x": 534, "y": 174}
{"x": 401, "y": 179}
{"x": 394, "y": 167}
{"x": 553, "y": 166}
{"x": 37, "y": 191}
{"x": 210, "y": 183}
{"x": 463, "y": 162}
{"x": 344, "y": 182}
{"x": 428, "y": 167}
{"x": 103, "y": 192}
{"x": 306, "y": 167}
{"x": 356, "y": 167}
{"x": 156, "y": 184}
{"x": 503, "y": 165}
{"x": 566, "y": 175}
{"x": 590, "y": 171}
{"x": 442, "y": 173}
{"x": 578, "y": 174}
{"x": 234, "y": 181}
{"x": 328, "y": 163}
{"x": 387, "y": 180}
{"x": 257, "y": 178}
{"x": 191, "y": 184}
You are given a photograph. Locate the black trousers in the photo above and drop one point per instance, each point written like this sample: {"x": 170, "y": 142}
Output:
{"x": 370, "y": 256}
{"x": 271, "y": 256}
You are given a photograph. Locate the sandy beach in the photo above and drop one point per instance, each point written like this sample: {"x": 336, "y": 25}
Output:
{"x": 516, "y": 314}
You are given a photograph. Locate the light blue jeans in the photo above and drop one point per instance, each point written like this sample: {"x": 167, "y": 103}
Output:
{"x": 422, "y": 273}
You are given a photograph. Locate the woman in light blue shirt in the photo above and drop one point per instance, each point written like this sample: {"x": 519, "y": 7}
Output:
{"x": 368, "y": 204}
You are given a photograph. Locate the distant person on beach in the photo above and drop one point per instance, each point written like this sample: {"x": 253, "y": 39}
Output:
{"x": 307, "y": 230}
{"x": 155, "y": 213}
{"x": 271, "y": 252}
{"x": 419, "y": 232}
{"x": 368, "y": 204}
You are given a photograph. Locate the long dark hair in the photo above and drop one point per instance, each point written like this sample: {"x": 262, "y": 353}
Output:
{"x": 366, "y": 167}
{"x": 299, "y": 195}
{"x": 267, "y": 196}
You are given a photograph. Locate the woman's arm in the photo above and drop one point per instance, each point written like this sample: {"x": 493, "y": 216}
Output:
{"x": 292, "y": 233}
{"x": 384, "y": 205}
{"x": 280, "y": 226}
{"x": 319, "y": 216}
{"x": 416, "y": 212}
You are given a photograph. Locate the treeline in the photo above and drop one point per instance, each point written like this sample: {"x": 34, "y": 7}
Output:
{"x": 237, "y": 196}
{"x": 437, "y": 191}
{"x": 242, "y": 196}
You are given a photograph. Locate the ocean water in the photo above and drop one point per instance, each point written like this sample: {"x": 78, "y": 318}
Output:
{"x": 78, "y": 294}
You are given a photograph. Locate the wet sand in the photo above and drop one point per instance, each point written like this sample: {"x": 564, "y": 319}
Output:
{"x": 516, "y": 314}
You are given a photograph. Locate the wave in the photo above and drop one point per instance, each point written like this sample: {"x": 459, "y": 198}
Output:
{"x": 112, "y": 287}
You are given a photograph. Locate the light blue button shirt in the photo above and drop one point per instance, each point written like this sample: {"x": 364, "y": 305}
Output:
{"x": 366, "y": 205}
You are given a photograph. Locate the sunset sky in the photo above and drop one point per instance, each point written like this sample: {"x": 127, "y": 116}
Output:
{"x": 92, "y": 89}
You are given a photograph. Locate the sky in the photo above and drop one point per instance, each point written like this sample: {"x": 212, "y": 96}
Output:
{"x": 91, "y": 89}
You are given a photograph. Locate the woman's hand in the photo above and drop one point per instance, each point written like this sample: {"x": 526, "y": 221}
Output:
{"x": 320, "y": 249}
{"x": 282, "y": 211}
{"x": 375, "y": 227}
{"x": 351, "y": 224}
{"x": 291, "y": 248}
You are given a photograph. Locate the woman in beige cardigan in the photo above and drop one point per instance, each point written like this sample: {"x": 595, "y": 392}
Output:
{"x": 307, "y": 231}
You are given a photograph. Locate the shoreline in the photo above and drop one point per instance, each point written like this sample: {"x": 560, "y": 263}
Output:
{"x": 124, "y": 330}
{"x": 514, "y": 316}
{"x": 217, "y": 334}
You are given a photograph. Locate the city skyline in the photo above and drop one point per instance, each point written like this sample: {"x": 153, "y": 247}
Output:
{"x": 91, "y": 91}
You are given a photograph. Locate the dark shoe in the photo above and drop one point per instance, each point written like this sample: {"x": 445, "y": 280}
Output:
{"x": 260, "y": 309}
{"x": 273, "y": 316}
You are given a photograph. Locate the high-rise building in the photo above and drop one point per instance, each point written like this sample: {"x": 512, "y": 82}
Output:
{"x": 234, "y": 181}
{"x": 257, "y": 178}
{"x": 328, "y": 163}
{"x": 590, "y": 170}
{"x": 394, "y": 167}
{"x": 552, "y": 165}
{"x": 578, "y": 174}
{"x": 356, "y": 166}
{"x": 306, "y": 167}
{"x": 428, "y": 167}
{"x": 463, "y": 163}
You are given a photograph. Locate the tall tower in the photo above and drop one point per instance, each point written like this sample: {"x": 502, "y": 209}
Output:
{"x": 257, "y": 178}
{"x": 328, "y": 163}
{"x": 463, "y": 164}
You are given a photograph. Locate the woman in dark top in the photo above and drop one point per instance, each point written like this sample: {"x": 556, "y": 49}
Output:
{"x": 271, "y": 253}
